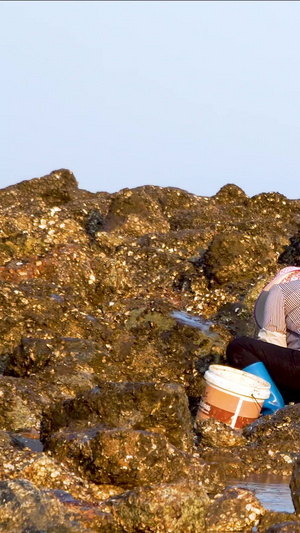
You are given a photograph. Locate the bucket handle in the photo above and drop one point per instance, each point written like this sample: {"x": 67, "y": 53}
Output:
{"x": 258, "y": 405}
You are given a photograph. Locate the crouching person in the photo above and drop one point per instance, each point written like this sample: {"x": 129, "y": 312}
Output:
{"x": 275, "y": 355}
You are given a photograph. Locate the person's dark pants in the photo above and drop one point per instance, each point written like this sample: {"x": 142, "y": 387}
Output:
{"x": 283, "y": 364}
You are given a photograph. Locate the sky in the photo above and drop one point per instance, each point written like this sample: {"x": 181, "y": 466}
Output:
{"x": 188, "y": 94}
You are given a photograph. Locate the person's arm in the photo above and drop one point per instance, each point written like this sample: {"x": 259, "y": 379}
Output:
{"x": 274, "y": 326}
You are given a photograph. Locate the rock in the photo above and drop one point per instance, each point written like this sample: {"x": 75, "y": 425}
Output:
{"x": 133, "y": 295}
{"x": 211, "y": 432}
{"x": 122, "y": 457}
{"x": 134, "y": 212}
{"x": 29, "y": 357}
{"x": 234, "y": 256}
{"x": 94, "y": 223}
{"x": 280, "y": 434}
{"x": 45, "y": 472}
{"x": 231, "y": 194}
{"x": 86, "y": 515}
{"x": 21, "y": 403}
{"x": 23, "y": 507}
{"x": 285, "y": 527}
{"x": 291, "y": 253}
{"x": 269, "y": 444}
{"x": 162, "y": 408}
{"x": 43, "y": 310}
{"x": 175, "y": 507}
{"x": 295, "y": 485}
{"x": 272, "y": 519}
{"x": 57, "y": 188}
{"x": 236, "y": 510}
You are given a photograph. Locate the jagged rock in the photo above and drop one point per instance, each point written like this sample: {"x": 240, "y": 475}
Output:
{"x": 275, "y": 519}
{"x": 161, "y": 408}
{"x": 57, "y": 188}
{"x": 25, "y": 508}
{"x": 21, "y": 403}
{"x": 269, "y": 444}
{"x": 236, "y": 510}
{"x": 86, "y": 514}
{"x": 158, "y": 337}
{"x": 279, "y": 432}
{"x": 44, "y": 471}
{"x": 74, "y": 364}
{"x": 29, "y": 357}
{"x": 211, "y": 432}
{"x": 231, "y": 194}
{"x": 90, "y": 285}
{"x": 122, "y": 457}
{"x": 291, "y": 254}
{"x": 162, "y": 508}
{"x": 38, "y": 309}
{"x": 94, "y": 223}
{"x": 233, "y": 256}
{"x": 295, "y": 485}
{"x": 134, "y": 212}
{"x": 238, "y": 318}
{"x": 285, "y": 527}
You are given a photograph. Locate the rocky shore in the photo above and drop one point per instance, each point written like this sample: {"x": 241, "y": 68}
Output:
{"x": 112, "y": 307}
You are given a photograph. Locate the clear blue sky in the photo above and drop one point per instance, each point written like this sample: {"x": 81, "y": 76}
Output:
{"x": 186, "y": 94}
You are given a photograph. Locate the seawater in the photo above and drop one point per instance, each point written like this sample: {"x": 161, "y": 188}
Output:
{"x": 272, "y": 491}
{"x": 191, "y": 320}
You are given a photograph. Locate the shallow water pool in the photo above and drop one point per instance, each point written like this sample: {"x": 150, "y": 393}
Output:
{"x": 272, "y": 491}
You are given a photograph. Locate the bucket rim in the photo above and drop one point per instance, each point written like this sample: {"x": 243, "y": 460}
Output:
{"x": 246, "y": 384}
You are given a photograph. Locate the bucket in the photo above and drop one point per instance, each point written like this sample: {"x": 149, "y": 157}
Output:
{"x": 232, "y": 396}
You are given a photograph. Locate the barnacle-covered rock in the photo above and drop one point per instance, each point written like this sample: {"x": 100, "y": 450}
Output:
{"x": 162, "y": 408}
{"x": 236, "y": 510}
{"x": 177, "y": 507}
{"x": 133, "y": 295}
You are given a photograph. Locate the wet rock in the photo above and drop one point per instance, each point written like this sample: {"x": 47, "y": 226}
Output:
{"x": 87, "y": 514}
{"x": 44, "y": 471}
{"x": 272, "y": 519}
{"x": 159, "y": 337}
{"x": 285, "y": 527}
{"x": 279, "y": 433}
{"x": 269, "y": 444}
{"x": 230, "y": 462}
{"x": 24, "y": 507}
{"x": 122, "y": 457}
{"x": 210, "y": 473}
{"x": 211, "y": 432}
{"x": 295, "y": 485}
{"x": 13, "y": 456}
{"x": 162, "y": 408}
{"x": 175, "y": 507}
{"x": 236, "y": 510}
{"x": 238, "y": 318}
{"x": 240, "y": 461}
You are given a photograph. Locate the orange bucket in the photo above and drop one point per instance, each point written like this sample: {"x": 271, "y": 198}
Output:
{"x": 232, "y": 396}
